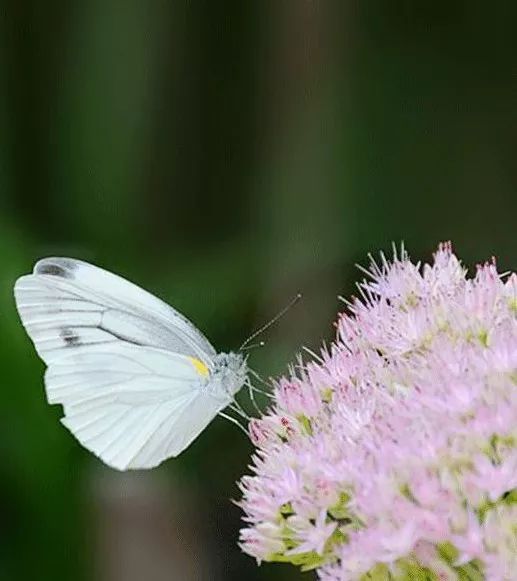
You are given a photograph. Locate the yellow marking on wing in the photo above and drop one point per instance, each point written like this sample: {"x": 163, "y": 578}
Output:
{"x": 201, "y": 368}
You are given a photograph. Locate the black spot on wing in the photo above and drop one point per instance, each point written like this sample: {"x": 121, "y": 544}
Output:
{"x": 64, "y": 270}
{"x": 70, "y": 337}
{"x": 52, "y": 269}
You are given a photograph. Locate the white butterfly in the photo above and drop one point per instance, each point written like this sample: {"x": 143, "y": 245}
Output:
{"x": 137, "y": 381}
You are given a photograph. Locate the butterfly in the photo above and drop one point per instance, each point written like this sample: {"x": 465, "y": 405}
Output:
{"x": 137, "y": 381}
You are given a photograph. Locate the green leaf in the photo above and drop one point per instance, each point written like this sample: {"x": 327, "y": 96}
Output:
{"x": 307, "y": 561}
{"x": 305, "y": 423}
{"x": 448, "y": 552}
{"x": 340, "y": 510}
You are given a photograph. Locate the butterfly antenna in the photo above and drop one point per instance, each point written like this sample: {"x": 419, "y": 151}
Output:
{"x": 253, "y": 346}
{"x": 278, "y": 316}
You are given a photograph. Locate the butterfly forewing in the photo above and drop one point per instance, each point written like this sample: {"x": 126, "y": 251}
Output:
{"x": 65, "y": 299}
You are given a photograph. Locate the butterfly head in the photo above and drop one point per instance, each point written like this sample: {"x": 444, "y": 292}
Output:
{"x": 229, "y": 371}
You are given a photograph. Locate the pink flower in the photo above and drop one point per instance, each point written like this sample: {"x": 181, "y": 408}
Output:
{"x": 312, "y": 535}
{"x": 398, "y": 448}
{"x": 262, "y": 541}
{"x": 496, "y": 478}
{"x": 470, "y": 541}
{"x": 298, "y": 398}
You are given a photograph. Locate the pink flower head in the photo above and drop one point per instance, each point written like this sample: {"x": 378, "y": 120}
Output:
{"x": 396, "y": 452}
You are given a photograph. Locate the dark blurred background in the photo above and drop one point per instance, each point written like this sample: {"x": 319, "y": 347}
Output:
{"x": 225, "y": 156}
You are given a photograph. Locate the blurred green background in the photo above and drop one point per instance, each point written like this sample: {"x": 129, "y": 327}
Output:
{"x": 225, "y": 156}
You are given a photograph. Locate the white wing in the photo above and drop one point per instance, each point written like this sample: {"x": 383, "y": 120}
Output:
{"x": 68, "y": 303}
{"x": 128, "y": 368}
{"x": 131, "y": 406}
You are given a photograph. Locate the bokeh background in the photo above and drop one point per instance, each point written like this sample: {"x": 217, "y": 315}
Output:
{"x": 225, "y": 155}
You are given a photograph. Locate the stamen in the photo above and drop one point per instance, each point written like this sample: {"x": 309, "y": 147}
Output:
{"x": 313, "y": 354}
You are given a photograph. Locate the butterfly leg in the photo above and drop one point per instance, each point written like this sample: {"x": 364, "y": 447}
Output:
{"x": 234, "y": 421}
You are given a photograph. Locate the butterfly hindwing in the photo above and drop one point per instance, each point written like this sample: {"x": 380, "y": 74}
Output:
{"x": 127, "y": 404}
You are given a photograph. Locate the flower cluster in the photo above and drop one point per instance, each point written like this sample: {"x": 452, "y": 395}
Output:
{"x": 394, "y": 454}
